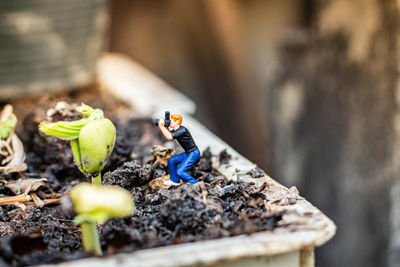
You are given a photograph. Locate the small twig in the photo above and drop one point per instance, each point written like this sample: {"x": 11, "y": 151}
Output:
{"x": 25, "y": 199}
{"x": 15, "y": 199}
{"x": 38, "y": 202}
{"x": 45, "y": 202}
{"x": 55, "y": 195}
{"x": 51, "y": 201}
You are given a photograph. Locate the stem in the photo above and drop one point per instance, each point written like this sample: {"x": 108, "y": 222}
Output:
{"x": 90, "y": 238}
{"x": 97, "y": 179}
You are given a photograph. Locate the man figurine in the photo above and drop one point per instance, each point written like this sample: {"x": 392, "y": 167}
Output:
{"x": 186, "y": 159}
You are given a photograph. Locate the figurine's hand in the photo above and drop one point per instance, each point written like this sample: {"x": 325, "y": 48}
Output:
{"x": 161, "y": 123}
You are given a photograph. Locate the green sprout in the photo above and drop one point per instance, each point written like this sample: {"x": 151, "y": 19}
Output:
{"x": 6, "y": 127}
{"x": 96, "y": 204}
{"x": 92, "y": 139}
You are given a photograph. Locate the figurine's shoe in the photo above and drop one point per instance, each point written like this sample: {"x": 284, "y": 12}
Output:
{"x": 171, "y": 183}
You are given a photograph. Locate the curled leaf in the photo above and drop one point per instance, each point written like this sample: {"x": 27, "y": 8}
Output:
{"x": 88, "y": 111}
{"x": 67, "y": 130}
{"x": 26, "y": 185}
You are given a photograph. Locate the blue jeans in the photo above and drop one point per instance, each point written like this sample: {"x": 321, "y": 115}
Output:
{"x": 185, "y": 161}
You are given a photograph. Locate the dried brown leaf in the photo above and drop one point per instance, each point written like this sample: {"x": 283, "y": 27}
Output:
{"x": 26, "y": 185}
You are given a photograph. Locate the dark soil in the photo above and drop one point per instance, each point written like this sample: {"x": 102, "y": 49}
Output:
{"x": 212, "y": 208}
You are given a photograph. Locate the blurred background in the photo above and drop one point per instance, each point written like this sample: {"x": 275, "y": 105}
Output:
{"x": 307, "y": 89}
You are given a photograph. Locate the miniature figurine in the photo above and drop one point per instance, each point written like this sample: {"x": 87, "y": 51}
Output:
{"x": 179, "y": 165}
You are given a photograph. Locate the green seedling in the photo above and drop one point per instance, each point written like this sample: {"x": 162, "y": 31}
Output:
{"x": 92, "y": 139}
{"x": 6, "y": 127}
{"x": 96, "y": 204}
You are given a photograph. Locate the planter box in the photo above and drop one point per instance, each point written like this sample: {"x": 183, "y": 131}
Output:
{"x": 303, "y": 226}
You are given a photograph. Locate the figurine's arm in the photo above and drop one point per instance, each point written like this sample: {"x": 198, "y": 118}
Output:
{"x": 164, "y": 130}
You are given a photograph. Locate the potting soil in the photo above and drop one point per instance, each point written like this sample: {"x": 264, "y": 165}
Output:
{"x": 212, "y": 208}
